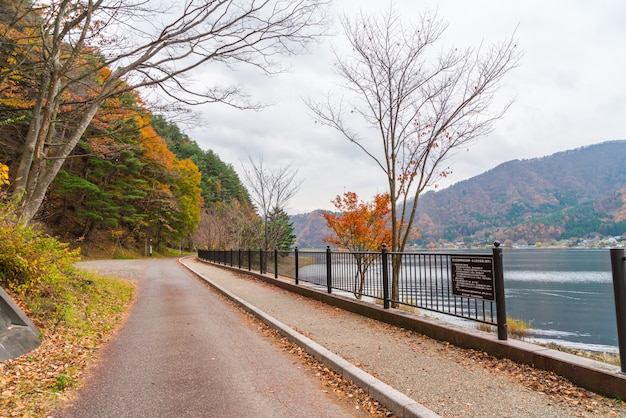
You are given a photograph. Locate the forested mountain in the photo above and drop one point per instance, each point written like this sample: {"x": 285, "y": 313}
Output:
{"x": 147, "y": 181}
{"x": 228, "y": 218}
{"x": 310, "y": 229}
{"x": 220, "y": 182}
{"x": 140, "y": 179}
{"x": 572, "y": 194}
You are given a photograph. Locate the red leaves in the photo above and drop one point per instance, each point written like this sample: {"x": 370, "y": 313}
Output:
{"x": 361, "y": 226}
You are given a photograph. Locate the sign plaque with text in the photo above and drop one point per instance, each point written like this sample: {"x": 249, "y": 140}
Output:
{"x": 472, "y": 277}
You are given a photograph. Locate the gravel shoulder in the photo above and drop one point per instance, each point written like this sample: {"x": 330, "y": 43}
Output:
{"x": 443, "y": 378}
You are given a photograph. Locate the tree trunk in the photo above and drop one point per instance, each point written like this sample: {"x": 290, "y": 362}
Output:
{"x": 37, "y": 175}
{"x": 396, "y": 265}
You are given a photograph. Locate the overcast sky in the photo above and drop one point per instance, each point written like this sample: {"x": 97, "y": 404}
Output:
{"x": 570, "y": 91}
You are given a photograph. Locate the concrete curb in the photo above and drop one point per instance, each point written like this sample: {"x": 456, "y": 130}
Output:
{"x": 18, "y": 334}
{"x": 394, "y": 400}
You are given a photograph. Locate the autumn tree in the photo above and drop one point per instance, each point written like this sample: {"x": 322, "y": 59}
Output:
{"x": 188, "y": 194}
{"x": 84, "y": 52}
{"x": 270, "y": 190}
{"x": 220, "y": 182}
{"x": 129, "y": 181}
{"x": 360, "y": 227}
{"x": 102, "y": 182}
{"x": 421, "y": 101}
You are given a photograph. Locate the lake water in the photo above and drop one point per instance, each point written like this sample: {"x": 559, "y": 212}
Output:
{"x": 567, "y": 295}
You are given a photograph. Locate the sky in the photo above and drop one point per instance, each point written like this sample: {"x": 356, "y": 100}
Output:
{"x": 569, "y": 91}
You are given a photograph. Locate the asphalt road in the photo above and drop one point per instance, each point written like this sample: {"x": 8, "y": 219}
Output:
{"x": 183, "y": 352}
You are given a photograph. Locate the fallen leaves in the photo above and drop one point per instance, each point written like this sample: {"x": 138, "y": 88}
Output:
{"x": 559, "y": 390}
{"x": 548, "y": 383}
{"x": 333, "y": 382}
{"x": 36, "y": 382}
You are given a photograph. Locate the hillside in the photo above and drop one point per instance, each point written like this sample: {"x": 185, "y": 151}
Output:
{"x": 571, "y": 194}
{"x": 310, "y": 229}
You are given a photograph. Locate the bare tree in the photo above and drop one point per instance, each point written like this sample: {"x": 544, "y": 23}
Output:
{"x": 270, "y": 191}
{"x": 227, "y": 226}
{"x": 422, "y": 103}
{"x": 93, "y": 50}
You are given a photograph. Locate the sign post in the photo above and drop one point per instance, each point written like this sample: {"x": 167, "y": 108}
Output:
{"x": 481, "y": 277}
{"x": 472, "y": 277}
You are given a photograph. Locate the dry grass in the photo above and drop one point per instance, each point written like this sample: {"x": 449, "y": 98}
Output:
{"x": 609, "y": 358}
{"x": 516, "y": 328}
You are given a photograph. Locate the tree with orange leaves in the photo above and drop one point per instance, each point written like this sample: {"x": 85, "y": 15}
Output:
{"x": 360, "y": 227}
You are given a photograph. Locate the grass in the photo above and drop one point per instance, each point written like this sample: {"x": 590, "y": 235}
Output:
{"x": 516, "y": 328}
{"x": 520, "y": 329}
{"x": 132, "y": 254}
{"x": 74, "y": 323}
{"x": 609, "y": 358}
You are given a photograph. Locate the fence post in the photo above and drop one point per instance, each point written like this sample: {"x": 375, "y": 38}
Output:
{"x": 232, "y": 256}
{"x": 276, "y": 262}
{"x": 385, "y": 267}
{"x": 239, "y": 258}
{"x": 249, "y": 259}
{"x": 261, "y": 260}
{"x": 329, "y": 279}
{"x": 619, "y": 293}
{"x": 296, "y": 256}
{"x": 498, "y": 277}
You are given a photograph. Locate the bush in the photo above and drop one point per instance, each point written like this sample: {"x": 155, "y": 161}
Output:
{"x": 37, "y": 269}
{"x": 28, "y": 258}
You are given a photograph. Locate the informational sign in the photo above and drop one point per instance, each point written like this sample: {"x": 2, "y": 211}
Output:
{"x": 472, "y": 277}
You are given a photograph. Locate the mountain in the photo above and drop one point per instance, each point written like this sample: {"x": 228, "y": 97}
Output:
{"x": 571, "y": 194}
{"x": 310, "y": 229}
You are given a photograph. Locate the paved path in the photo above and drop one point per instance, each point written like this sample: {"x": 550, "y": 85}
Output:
{"x": 183, "y": 352}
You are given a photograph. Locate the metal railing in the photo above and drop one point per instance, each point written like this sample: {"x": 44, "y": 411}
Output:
{"x": 468, "y": 286}
{"x": 618, "y": 268}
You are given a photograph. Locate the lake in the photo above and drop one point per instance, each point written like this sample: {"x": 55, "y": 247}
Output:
{"x": 566, "y": 295}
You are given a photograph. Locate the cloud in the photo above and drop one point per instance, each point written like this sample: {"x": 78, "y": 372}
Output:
{"x": 570, "y": 91}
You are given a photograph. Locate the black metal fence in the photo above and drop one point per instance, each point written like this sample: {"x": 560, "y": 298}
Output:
{"x": 618, "y": 268}
{"x": 468, "y": 286}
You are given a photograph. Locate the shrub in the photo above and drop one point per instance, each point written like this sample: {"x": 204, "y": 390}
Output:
{"x": 28, "y": 258}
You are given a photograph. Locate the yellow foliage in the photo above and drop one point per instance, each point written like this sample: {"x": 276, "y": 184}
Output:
{"x": 103, "y": 75}
{"x": 4, "y": 174}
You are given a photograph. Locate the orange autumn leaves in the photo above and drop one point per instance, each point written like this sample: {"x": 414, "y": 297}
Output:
{"x": 359, "y": 225}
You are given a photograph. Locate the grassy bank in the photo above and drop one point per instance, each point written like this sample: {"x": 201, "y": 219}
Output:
{"x": 521, "y": 329}
{"x": 75, "y": 311}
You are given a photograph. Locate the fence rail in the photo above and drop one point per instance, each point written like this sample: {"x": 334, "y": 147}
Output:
{"x": 451, "y": 284}
{"x": 618, "y": 268}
